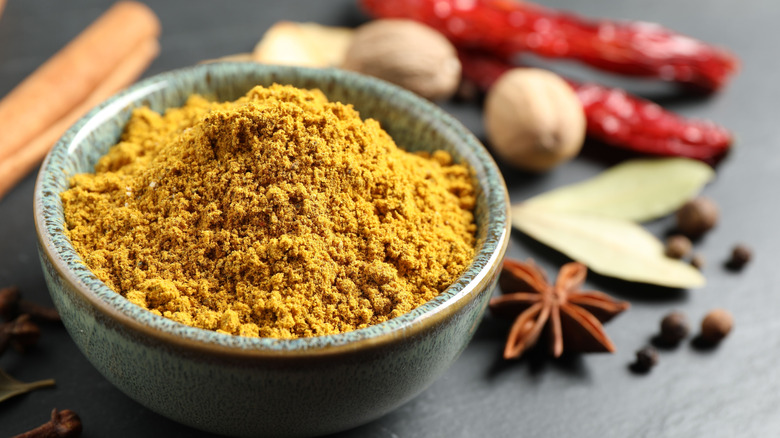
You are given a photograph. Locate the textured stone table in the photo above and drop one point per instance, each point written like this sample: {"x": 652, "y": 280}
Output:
{"x": 733, "y": 390}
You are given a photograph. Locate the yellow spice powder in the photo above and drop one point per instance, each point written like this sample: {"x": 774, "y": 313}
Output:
{"x": 278, "y": 215}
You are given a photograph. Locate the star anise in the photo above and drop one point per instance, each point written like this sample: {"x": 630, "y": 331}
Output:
{"x": 572, "y": 318}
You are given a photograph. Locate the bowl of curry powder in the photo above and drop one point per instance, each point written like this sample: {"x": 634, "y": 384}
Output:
{"x": 311, "y": 246}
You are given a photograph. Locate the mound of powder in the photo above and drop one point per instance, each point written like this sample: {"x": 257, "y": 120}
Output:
{"x": 278, "y": 215}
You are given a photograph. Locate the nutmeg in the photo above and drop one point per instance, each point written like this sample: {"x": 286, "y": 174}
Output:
{"x": 533, "y": 119}
{"x": 406, "y": 53}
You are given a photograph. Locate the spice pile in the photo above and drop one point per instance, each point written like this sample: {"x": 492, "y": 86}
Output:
{"x": 278, "y": 215}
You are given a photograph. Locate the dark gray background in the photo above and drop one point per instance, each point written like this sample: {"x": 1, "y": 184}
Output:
{"x": 733, "y": 390}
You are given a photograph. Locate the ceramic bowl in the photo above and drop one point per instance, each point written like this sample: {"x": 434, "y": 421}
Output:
{"x": 242, "y": 386}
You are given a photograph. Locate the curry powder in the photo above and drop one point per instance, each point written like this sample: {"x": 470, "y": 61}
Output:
{"x": 278, "y": 215}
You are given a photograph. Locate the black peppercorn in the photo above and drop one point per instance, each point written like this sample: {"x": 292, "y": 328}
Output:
{"x": 20, "y": 333}
{"x": 740, "y": 256}
{"x": 646, "y": 358}
{"x": 674, "y": 328}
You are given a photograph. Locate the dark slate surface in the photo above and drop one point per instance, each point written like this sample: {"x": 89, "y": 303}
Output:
{"x": 733, "y": 390}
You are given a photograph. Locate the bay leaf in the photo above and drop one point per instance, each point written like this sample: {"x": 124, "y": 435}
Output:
{"x": 636, "y": 190}
{"x": 609, "y": 246}
{"x": 10, "y": 387}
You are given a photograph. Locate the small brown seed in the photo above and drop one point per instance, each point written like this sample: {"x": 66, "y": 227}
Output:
{"x": 674, "y": 328}
{"x": 716, "y": 325}
{"x": 646, "y": 358}
{"x": 740, "y": 256}
{"x": 698, "y": 261}
{"x": 678, "y": 246}
{"x": 697, "y": 217}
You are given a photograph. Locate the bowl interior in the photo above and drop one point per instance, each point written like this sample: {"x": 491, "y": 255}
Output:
{"x": 414, "y": 124}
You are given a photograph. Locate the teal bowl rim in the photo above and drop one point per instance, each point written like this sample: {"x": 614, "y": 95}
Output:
{"x": 49, "y": 223}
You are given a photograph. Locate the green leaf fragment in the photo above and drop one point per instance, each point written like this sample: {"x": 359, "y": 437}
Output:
{"x": 609, "y": 246}
{"x": 637, "y": 190}
{"x": 10, "y": 387}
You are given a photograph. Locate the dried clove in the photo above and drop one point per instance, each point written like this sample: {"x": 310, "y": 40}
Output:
{"x": 13, "y": 305}
{"x": 63, "y": 424}
{"x": 9, "y": 300}
{"x": 38, "y": 312}
{"x": 21, "y": 333}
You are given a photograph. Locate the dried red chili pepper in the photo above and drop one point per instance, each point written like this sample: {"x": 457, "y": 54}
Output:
{"x": 506, "y": 27}
{"x": 620, "y": 119}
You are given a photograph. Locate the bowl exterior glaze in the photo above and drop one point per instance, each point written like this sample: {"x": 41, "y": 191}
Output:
{"x": 241, "y": 386}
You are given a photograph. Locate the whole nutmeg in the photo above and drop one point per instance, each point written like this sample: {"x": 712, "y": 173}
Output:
{"x": 697, "y": 216}
{"x": 405, "y": 53}
{"x": 716, "y": 325}
{"x": 533, "y": 119}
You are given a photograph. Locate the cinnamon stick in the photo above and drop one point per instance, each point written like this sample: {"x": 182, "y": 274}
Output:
{"x": 68, "y": 77}
{"x": 15, "y": 167}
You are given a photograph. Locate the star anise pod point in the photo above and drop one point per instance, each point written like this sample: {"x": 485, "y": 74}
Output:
{"x": 572, "y": 318}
